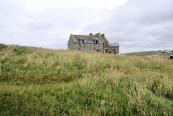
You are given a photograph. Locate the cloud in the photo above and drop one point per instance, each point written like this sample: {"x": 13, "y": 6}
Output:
{"x": 136, "y": 25}
{"x": 48, "y": 23}
{"x": 140, "y": 25}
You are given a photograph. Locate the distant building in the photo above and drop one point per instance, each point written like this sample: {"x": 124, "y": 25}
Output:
{"x": 92, "y": 42}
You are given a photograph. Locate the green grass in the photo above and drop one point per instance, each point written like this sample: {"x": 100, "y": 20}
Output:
{"x": 37, "y": 81}
{"x": 149, "y": 53}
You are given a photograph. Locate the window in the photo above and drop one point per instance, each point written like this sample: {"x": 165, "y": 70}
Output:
{"x": 97, "y": 41}
{"x": 98, "y": 50}
{"x": 83, "y": 42}
{"x": 78, "y": 40}
{"x": 110, "y": 52}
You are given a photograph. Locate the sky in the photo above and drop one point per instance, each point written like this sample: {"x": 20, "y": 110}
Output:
{"x": 137, "y": 25}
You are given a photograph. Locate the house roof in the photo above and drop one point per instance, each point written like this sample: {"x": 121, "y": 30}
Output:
{"x": 87, "y": 38}
{"x": 92, "y": 38}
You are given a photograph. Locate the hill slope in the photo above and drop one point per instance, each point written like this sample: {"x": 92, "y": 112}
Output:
{"x": 151, "y": 53}
{"x": 35, "y": 81}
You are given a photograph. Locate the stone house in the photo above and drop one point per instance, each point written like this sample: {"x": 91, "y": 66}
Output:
{"x": 92, "y": 42}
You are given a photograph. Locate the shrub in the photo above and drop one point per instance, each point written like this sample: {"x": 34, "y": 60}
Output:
{"x": 20, "y": 50}
{"x": 2, "y": 46}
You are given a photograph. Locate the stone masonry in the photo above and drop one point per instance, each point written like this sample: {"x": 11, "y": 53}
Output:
{"x": 92, "y": 42}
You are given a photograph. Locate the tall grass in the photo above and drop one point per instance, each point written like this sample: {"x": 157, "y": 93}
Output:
{"x": 35, "y": 81}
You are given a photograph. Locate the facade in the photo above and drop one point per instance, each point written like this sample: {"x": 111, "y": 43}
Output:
{"x": 92, "y": 42}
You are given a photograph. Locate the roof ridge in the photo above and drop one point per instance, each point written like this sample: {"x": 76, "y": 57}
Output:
{"x": 84, "y": 35}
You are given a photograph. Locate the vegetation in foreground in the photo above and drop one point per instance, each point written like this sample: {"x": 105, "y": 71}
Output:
{"x": 35, "y": 81}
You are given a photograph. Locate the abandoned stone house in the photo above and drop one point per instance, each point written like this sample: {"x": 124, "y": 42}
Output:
{"x": 92, "y": 42}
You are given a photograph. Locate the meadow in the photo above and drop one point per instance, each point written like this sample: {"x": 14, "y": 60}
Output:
{"x": 45, "y": 82}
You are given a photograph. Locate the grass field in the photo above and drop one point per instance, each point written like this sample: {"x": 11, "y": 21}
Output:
{"x": 37, "y": 81}
{"x": 150, "y": 53}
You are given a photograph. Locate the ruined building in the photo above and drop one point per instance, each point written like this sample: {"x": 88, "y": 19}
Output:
{"x": 92, "y": 42}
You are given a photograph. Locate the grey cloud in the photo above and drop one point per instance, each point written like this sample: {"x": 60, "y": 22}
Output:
{"x": 35, "y": 29}
{"x": 137, "y": 25}
{"x": 140, "y": 25}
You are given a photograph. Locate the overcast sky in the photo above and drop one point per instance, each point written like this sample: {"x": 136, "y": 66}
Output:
{"x": 137, "y": 25}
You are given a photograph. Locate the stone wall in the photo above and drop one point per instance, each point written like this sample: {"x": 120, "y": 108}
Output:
{"x": 100, "y": 47}
{"x": 85, "y": 47}
{"x": 111, "y": 49}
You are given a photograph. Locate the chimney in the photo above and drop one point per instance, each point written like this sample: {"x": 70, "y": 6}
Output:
{"x": 90, "y": 34}
{"x": 98, "y": 34}
{"x": 104, "y": 38}
{"x": 103, "y": 35}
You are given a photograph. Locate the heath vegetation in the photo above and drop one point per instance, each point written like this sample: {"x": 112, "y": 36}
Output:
{"x": 37, "y": 81}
